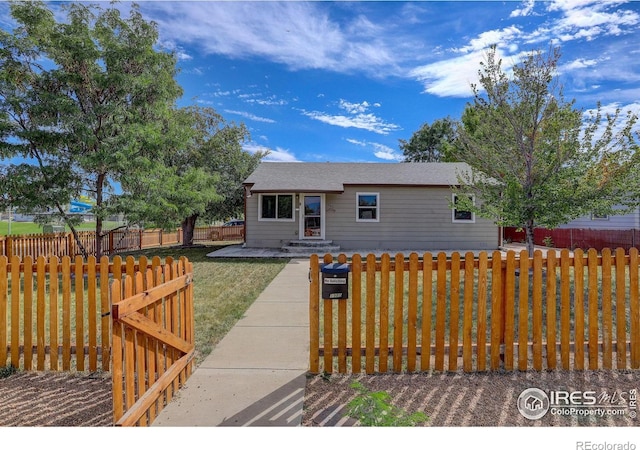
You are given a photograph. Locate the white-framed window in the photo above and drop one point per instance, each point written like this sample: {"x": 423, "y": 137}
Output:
{"x": 461, "y": 215}
{"x": 367, "y": 207}
{"x": 595, "y": 216}
{"x": 276, "y": 207}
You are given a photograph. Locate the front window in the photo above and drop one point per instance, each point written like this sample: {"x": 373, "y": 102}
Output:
{"x": 461, "y": 215}
{"x": 367, "y": 207}
{"x": 276, "y": 207}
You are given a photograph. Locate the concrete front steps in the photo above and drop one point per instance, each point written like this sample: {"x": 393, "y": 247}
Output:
{"x": 308, "y": 247}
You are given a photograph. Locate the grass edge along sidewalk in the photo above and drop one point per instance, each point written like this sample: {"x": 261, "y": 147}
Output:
{"x": 223, "y": 289}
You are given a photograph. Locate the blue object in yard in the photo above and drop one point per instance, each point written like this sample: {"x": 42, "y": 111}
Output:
{"x": 79, "y": 207}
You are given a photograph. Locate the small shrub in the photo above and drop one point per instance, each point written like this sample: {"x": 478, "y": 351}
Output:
{"x": 7, "y": 371}
{"x": 548, "y": 241}
{"x": 372, "y": 409}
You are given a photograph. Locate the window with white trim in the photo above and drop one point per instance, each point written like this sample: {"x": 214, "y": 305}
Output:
{"x": 596, "y": 216}
{"x": 461, "y": 215}
{"x": 276, "y": 207}
{"x": 367, "y": 207}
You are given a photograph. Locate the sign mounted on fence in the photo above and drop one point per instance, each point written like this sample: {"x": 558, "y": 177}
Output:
{"x": 335, "y": 281}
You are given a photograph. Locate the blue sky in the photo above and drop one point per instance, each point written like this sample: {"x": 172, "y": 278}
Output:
{"x": 345, "y": 81}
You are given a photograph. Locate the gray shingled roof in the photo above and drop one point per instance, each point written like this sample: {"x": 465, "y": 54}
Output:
{"x": 331, "y": 177}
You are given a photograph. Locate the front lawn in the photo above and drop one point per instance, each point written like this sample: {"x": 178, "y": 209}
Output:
{"x": 223, "y": 289}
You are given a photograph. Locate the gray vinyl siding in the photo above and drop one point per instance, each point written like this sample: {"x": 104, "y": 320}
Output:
{"x": 268, "y": 234}
{"x": 410, "y": 218}
{"x": 620, "y": 222}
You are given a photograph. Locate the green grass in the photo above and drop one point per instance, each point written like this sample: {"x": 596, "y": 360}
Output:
{"x": 18, "y": 228}
{"x": 223, "y": 289}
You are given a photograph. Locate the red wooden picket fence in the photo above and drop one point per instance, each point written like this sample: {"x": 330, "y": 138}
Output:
{"x": 476, "y": 313}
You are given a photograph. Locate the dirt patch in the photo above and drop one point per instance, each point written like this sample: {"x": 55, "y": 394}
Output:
{"x": 469, "y": 400}
{"x": 41, "y": 399}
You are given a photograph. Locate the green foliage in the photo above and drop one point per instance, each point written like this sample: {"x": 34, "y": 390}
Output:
{"x": 536, "y": 162}
{"x": 373, "y": 409}
{"x": 84, "y": 101}
{"x": 199, "y": 173}
{"x": 7, "y": 371}
{"x": 431, "y": 143}
{"x": 548, "y": 241}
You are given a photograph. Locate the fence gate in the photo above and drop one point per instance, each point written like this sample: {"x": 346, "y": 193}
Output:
{"x": 152, "y": 340}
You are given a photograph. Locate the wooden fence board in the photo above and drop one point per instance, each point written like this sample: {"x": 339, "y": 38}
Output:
{"x": 543, "y": 311}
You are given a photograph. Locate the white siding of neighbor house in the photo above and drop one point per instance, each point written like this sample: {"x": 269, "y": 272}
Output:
{"x": 630, "y": 221}
{"x": 410, "y": 217}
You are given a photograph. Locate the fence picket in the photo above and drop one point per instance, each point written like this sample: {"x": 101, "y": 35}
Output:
{"x": 607, "y": 322}
{"x": 328, "y": 327}
{"x": 27, "y": 301}
{"x": 15, "y": 311}
{"x": 441, "y": 310}
{"x": 398, "y": 309}
{"x": 634, "y": 308}
{"x": 454, "y": 311}
{"x": 523, "y": 311}
{"x": 508, "y": 310}
{"x": 481, "y": 326}
{"x": 356, "y": 313}
{"x": 467, "y": 321}
{"x": 314, "y": 313}
{"x": 41, "y": 314}
{"x": 537, "y": 310}
{"x": 4, "y": 282}
{"x": 497, "y": 323}
{"x": 370, "y": 324}
{"x": 550, "y": 309}
{"x": 621, "y": 320}
{"x": 384, "y": 312}
{"x": 412, "y": 313}
{"x": 578, "y": 307}
{"x": 427, "y": 300}
{"x": 593, "y": 308}
{"x": 565, "y": 308}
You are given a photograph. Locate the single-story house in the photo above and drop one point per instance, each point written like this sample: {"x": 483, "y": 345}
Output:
{"x": 389, "y": 206}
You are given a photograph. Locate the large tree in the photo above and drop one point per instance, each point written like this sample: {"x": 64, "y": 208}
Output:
{"x": 537, "y": 160}
{"x": 199, "y": 175}
{"x": 83, "y": 102}
{"x": 431, "y": 143}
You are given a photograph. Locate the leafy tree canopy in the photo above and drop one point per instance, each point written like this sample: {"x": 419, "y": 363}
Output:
{"x": 431, "y": 143}
{"x": 538, "y": 161}
{"x": 83, "y": 101}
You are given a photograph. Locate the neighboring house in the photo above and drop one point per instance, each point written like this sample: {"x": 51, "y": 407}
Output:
{"x": 628, "y": 221}
{"x": 389, "y": 206}
{"x": 591, "y": 231}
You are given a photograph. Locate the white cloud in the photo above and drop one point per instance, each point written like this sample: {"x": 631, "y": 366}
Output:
{"x": 356, "y": 142}
{"x": 387, "y": 153}
{"x": 499, "y": 37}
{"x": 354, "y": 108}
{"x": 367, "y": 122}
{"x": 274, "y": 155}
{"x": 452, "y": 77}
{"x": 250, "y": 116}
{"x": 301, "y": 35}
{"x": 527, "y": 8}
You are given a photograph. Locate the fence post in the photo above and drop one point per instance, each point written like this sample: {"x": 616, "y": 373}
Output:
{"x": 140, "y": 238}
{"x": 69, "y": 244}
{"x": 8, "y": 247}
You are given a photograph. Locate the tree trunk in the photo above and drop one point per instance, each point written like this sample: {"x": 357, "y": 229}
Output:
{"x": 98, "y": 215}
{"x": 528, "y": 229}
{"x": 188, "y": 226}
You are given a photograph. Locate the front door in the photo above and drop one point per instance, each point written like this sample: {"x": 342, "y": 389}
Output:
{"x": 312, "y": 216}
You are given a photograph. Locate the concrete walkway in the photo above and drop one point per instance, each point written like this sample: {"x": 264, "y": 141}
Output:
{"x": 256, "y": 375}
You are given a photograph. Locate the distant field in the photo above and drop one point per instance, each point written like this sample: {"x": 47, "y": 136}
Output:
{"x": 34, "y": 228}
